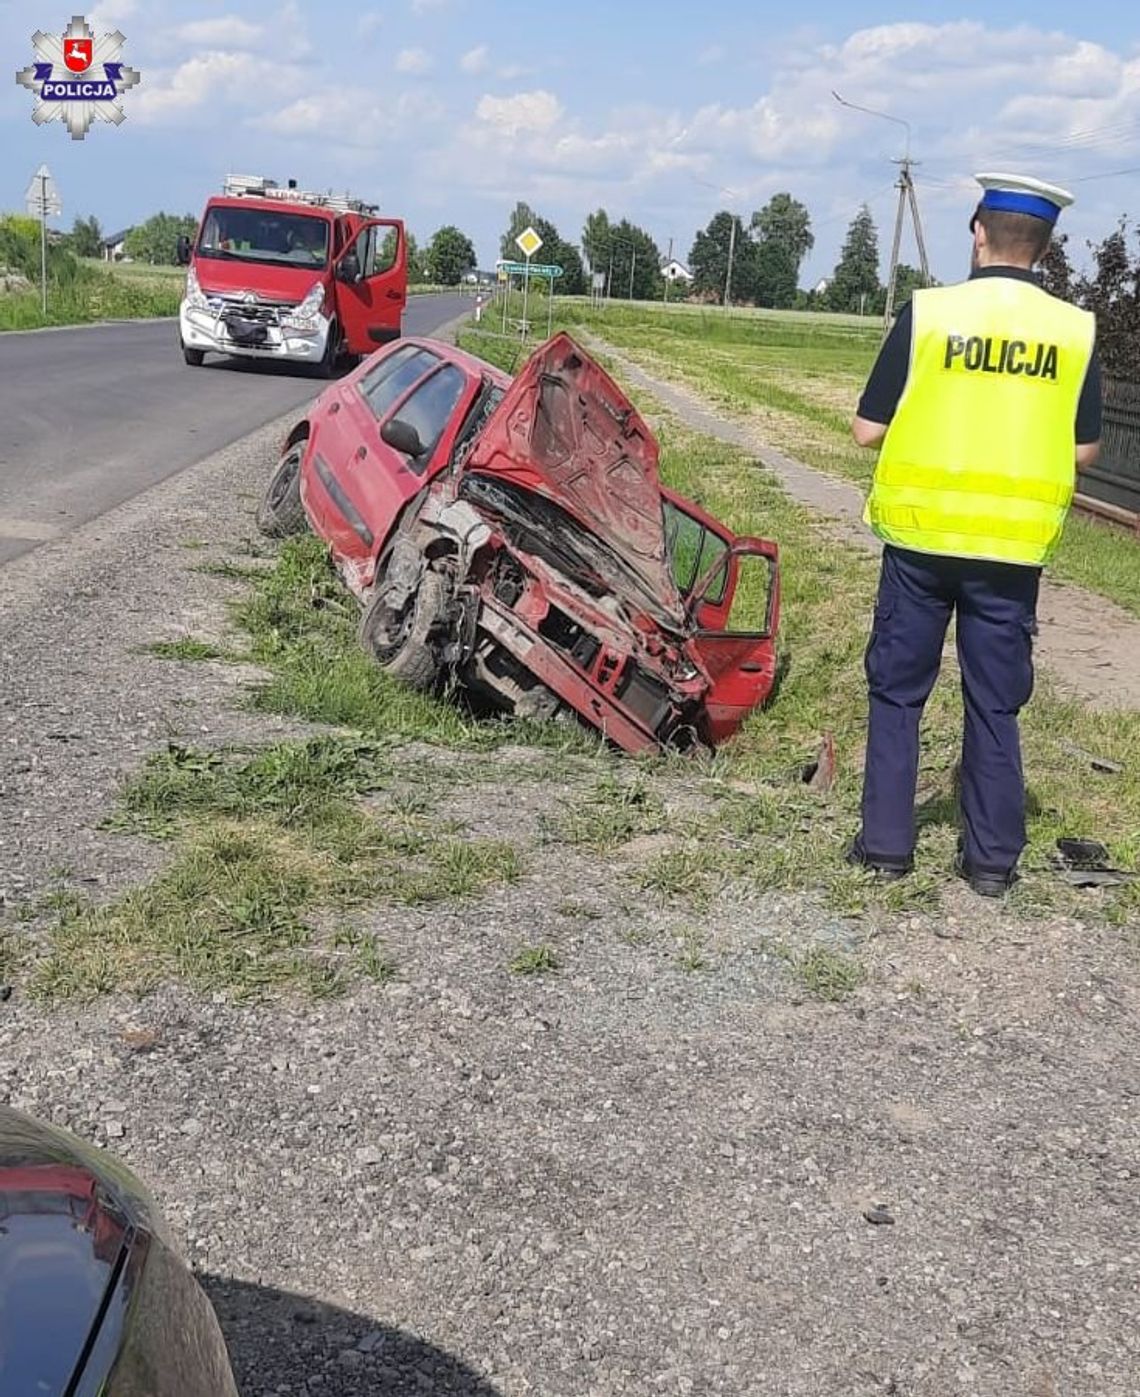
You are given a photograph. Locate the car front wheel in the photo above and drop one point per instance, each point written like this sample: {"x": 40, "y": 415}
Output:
{"x": 400, "y": 638}
{"x": 281, "y": 512}
{"x": 194, "y": 357}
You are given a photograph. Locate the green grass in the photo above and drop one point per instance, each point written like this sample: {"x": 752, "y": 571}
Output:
{"x": 185, "y": 648}
{"x": 261, "y": 842}
{"x": 535, "y": 960}
{"x": 93, "y": 294}
{"x": 616, "y": 810}
{"x": 826, "y": 974}
{"x": 799, "y": 378}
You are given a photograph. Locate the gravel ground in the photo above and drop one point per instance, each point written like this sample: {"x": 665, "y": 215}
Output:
{"x": 623, "y": 1177}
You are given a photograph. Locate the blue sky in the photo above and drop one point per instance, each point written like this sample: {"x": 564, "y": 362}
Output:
{"x": 450, "y": 110}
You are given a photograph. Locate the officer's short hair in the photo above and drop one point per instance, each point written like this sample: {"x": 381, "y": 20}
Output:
{"x": 1017, "y": 235}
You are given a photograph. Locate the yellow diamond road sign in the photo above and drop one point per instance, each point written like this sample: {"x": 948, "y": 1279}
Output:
{"x": 529, "y": 241}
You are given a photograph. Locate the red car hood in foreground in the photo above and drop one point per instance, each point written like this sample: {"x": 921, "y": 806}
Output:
{"x": 565, "y": 430}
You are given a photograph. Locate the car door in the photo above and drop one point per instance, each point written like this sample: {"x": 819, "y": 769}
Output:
{"x": 737, "y": 609}
{"x": 731, "y": 588}
{"x": 371, "y": 279}
{"x": 385, "y": 480}
{"x": 359, "y": 491}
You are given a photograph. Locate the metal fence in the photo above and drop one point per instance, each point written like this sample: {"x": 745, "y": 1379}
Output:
{"x": 1115, "y": 479}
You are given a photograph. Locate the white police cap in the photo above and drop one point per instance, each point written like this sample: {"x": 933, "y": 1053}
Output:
{"x": 1021, "y": 194}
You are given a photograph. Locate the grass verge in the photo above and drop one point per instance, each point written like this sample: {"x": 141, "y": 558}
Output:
{"x": 261, "y": 842}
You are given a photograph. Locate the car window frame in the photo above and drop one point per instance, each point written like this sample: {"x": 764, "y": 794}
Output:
{"x": 700, "y": 570}
{"x": 396, "y": 357}
{"x": 420, "y": 465}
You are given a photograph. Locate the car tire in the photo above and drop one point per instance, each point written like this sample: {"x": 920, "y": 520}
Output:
{"x": 194, "y": 357}
{"x": 401, "y": 643}
{"x": 281, "y": 512}
{"x": 329, "y": 366}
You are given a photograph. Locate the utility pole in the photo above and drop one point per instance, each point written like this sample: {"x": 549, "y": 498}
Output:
{"x": 665, "y": 278}
{"x": 632, "y": 269}
{"x": 731, "y": 250}
{"x": 908, "y": 198}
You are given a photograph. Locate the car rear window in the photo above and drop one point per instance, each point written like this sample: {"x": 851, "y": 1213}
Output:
{"x": 394, "y": 375}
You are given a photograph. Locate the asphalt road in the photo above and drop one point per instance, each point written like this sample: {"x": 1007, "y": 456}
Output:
{"x": 92, "y": 416}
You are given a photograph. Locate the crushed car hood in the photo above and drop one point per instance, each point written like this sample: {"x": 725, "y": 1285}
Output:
{"x": 565, "y": 430}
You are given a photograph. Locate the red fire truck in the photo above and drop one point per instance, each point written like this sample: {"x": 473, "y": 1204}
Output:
{"x": 278, "y": 273}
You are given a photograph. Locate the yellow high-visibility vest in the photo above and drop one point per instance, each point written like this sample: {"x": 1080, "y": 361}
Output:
{"x": 978, "y": 461}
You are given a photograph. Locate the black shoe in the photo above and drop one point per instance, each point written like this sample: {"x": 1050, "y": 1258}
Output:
{"x": 857, "y": 857}
{"x": 985, "y": 884}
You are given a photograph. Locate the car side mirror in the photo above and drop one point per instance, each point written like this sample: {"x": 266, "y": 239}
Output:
{"x": 403, "y": 437}
{"x": 183, "y": 250}
{"x": 348, "y": 269}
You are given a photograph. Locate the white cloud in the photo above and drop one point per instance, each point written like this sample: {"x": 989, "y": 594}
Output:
{"x": 227, "y": 31}
{"x": 476, "y": 60}
{"x": 526, "y": 111}
{"x": 353, "y": 117}
{"x": 369, "y": 23}
{"x": 110, "y": 14}
{"x": 422, "y": 7}
{"x": 414, "y": 60}
{"x": 714, "y": 53}
{"x": 218, "y": 78}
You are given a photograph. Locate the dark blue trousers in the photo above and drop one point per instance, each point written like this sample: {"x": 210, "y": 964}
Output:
{"x": 996, "y": 607}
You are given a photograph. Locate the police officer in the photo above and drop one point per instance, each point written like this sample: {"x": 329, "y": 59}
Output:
{"x": 985, "y": 398}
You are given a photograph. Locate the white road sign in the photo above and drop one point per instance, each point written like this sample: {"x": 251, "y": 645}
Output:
{"x": 43, "y": 194}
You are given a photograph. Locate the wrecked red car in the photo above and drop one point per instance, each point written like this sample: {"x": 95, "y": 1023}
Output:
{"x": 515, "y": 536}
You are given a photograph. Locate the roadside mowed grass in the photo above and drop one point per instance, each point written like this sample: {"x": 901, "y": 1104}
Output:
{"x": 262, "y": 841}
{"x": 801, "y": 383}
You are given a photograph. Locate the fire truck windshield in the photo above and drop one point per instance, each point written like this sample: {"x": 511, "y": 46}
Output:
{"x": 264, "y": 235}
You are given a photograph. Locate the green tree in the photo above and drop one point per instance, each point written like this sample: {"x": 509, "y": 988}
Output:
{"x": 785, "y": 222}
{"x": 597, "y": 239}
{"x": 450, "y": 255}
{"x": 1113, "y": 295}
{"x": 1056, "y": 271}
{"x": 156, "y": 240}
{"x": 708, "y": 258}
{"x": 856, "y": 274}
{"x": 771, "y": 267}
{"x": 85, "y": 238}
{"x": 634, "y": 269}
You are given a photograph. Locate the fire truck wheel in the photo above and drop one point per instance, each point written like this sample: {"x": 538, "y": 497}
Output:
{"x": 281, "y": 512}
{"x": 329, "y": 366}
{"x": 400, "y": 640}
